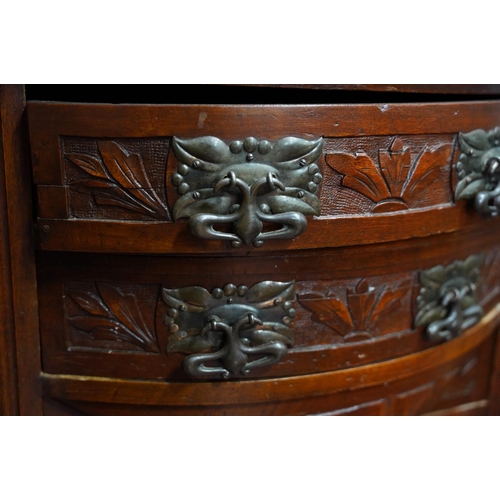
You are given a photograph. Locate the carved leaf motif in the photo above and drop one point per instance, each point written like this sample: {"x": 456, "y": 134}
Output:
{"x": 425, "y": 170}
{"x": 119, "y": 198}
{"x": 120, "y": 173}
{"x": 363, "y": 286}
{"x": 129, "y": 172}
{"x": 366, "y": 305}
{"x": 90, "y": 303}
{"x": 395, "y": 164}
{"x": 390, "y": 300}
{"x": 124, "y": 307}
{"x": 89, "y": 164}
{"x": 330, "y": 311}
{"x": 92, "y": 323}
{"x": 266, "y": 292}
{"x": 398, "y": 176}
{"x": 361, "y": 303}
{"x": 115, "y": 316}
{"x": 126, "y": 169}
{"x": 361, "y": 174}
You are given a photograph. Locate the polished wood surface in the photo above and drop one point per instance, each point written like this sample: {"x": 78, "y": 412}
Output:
{"x": 20, "y": 358}
{"x": 85, "y": 322}
{"x": 8, "y": 369}
{"x": 70, "y": 220}
{"x": 418, "y": 373}
{"x": 67, "y": 280}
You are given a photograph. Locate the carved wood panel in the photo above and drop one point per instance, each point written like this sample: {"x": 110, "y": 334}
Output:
{"x": 131, "y": 179}
{"x": 387, "y": 174}
{"x": 95, "y": 312}
{"x": 111, "y": 317}
{"x": 127, "y": 316}
{"x": 116, "y": 179}
{"x": 361, "y": 309}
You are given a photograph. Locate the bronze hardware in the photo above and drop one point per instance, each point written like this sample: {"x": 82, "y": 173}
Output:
{"x": 478, "y": 170}
{"x": 247, "y": 184}
{"x": 447, "y": 303}
{"x": 242, "y": 328}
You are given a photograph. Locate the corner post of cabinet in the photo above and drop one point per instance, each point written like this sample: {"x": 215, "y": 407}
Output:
{"x": 20, "y": 366}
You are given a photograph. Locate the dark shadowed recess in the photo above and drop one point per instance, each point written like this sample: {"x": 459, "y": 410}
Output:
{"x": 258, "y": 94}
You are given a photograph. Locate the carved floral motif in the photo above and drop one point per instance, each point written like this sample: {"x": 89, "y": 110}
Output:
{"x": 397, "y": 179}
{"x": 355, "y": 316}
{"x": 119, "y": 179}
{"x": 113, "y": 315}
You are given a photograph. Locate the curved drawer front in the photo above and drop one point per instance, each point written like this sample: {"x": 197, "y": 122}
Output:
{"x": 262, "y": 316}
{"x": 218, "y": 179}
{"x": 326, "y": 259}
{"x": 448, "y": 379}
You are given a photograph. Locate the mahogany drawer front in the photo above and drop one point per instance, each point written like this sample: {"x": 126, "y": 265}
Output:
{"x": 163, "y": 269}
{"x": 274, "y": 259}
{"x": 110, "y": 179}
{"x": 111, "y": 316}
{"x": 452, "y": 378}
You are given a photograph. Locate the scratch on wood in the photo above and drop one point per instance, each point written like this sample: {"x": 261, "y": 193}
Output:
{"x": 201, "y": 119}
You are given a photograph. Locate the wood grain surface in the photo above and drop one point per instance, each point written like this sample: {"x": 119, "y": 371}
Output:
{"x": 402, "y": 379}
{"x": 20, "y": 294}
{"x": 88, "y": 305}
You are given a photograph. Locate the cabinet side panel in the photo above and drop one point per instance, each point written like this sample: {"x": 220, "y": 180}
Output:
{"x": 8, "y": 372}
{"x": 20, "y": 260}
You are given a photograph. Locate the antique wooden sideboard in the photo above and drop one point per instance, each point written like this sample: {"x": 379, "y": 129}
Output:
{"x": 275, "y": 250}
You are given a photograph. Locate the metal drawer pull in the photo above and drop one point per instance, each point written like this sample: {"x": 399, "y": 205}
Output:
{"x": 247, "y": 184}
{"x": 447, "y": 303}
{"x": 232, "y": 330}
{"x": 478, "y": 170}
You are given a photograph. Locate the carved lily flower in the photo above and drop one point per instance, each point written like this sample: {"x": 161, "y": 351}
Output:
{"x": 364, "y": 306}
{"x": 400, "y": 177}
